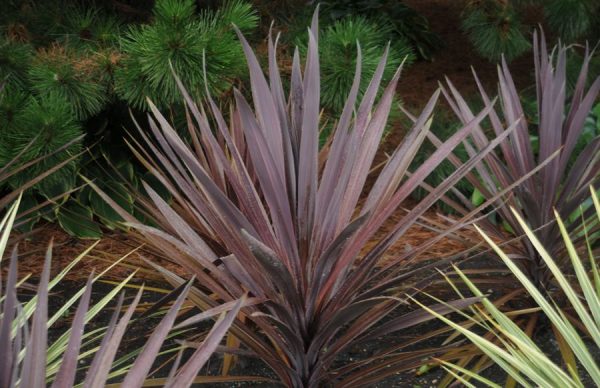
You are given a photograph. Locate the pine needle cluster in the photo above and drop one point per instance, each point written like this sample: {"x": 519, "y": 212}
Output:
{"x": 75, "y": 77}
{"x": 181, "y": 40}
{"x": 338, "y": 52}
{"x": 69, "y": 68}
{"x": 37, "y": 128}
{"x": 495, "y": 27}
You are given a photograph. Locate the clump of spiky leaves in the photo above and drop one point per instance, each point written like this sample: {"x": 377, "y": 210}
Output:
{"x": 338, "y": 53}
{"x": 511, "y": 347}
{"x": 75, "y": 77}
{"x": 179, "y": 40}
{"x": 257, "y": 207}
{"x": 30, "y": 360}
{"x": 15, "y": 59}
{"x": 37, "y": 130}
{"x": 494, "y": 29}
{"x": 561, "y": 121}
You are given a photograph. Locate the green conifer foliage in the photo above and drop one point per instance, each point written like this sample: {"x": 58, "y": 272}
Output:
{"x": 62, "y": 62}
{"x": 50, "y": 124}
{"x": 14, "y": 62}
{"x": 338, "y": 50}
{"x": 403, "y": 21}
{"x": 495, "y": 29}
{"x": 75, "y": 77}
{"x": 180, "y": 38}
{"x": 12, "y": 101}
{"x": 88, "y": 28}
{"x": 574, "y": 19}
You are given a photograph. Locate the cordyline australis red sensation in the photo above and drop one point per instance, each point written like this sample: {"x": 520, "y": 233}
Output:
{"x": 258, "y": 208}
{"x": 564, "y": 173}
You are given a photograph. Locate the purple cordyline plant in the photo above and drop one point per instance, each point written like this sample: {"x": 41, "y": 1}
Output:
{"x": 563, "y": 177}
{"x": 257, "y": 208}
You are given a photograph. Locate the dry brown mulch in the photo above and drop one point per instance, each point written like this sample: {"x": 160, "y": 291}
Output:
{"x": 106, "y": 252}
{"x": 115, "y": 245}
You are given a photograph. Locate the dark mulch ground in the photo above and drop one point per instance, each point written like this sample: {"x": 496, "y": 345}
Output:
{"x": 416, "y": 86}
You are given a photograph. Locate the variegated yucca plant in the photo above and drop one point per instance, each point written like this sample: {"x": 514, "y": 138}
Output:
{"x": 28, "y": 359}
{"x": 258, "y": 208}
{"x": 577, "y": 332}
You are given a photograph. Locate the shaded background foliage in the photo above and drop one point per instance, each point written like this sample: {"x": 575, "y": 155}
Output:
{"x": 82, "y": 65}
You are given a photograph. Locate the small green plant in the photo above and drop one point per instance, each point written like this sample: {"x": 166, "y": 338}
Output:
{"x": 15, "y": 59}
{"x": 574, "y": 20}
{"x": 76, "y": 78}
{"x": 87, "y": 28}
{"x": 401, "y": 21}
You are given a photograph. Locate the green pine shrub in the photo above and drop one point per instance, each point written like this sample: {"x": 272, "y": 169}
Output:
{"x": 12, "y": 100}
{"x": 495, "y": 29}
{"x": 574, "y": 19}
{"x": 70, "y": 68}
{"x": 15, "y": 58}
{"x": 338, "y": 51}
{"x": 43, "y": 125}
{"x": 74, "y": 77}
{"x": 181, "y": 38}
{"x": 88, "y": 28}
{"x": 403, "y": 22}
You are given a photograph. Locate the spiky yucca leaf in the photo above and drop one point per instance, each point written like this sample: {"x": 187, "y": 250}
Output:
{"x": 256, "y": 207}
{"x": 513, "y": 349}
